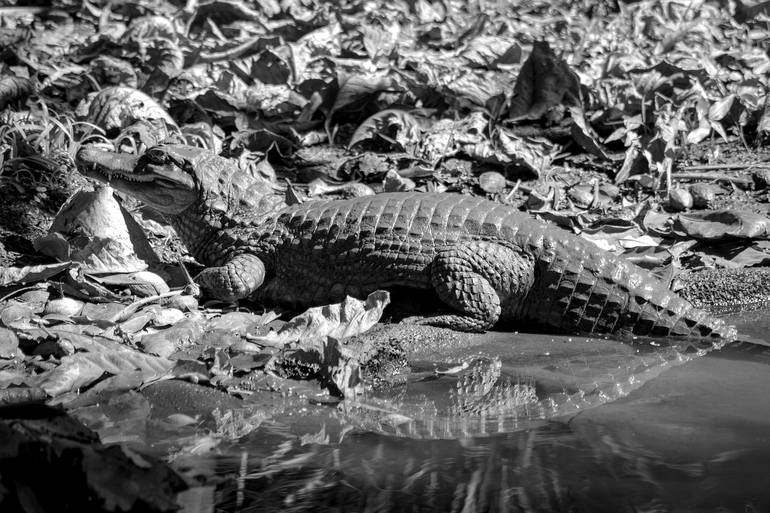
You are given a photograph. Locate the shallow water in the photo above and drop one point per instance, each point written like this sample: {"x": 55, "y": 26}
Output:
{"x": 686, "y": 435}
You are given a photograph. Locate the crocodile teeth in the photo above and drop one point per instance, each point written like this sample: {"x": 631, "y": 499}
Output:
{"x": 131, "y": 178}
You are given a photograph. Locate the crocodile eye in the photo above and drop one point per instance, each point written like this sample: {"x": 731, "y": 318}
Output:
{"x": 156, "y": 156}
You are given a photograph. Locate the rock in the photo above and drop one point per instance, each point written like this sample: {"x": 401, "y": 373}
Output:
{"x": 761, "y": 178}
{"x": 581, "y": 195}
{"x": 396, "y": 183}
{"x": 612, "y": 191}
{"x": 703, "y": 195}
{"x": 680, "y": 199}
{"x": 64, "y": 306}
{"x": 492, "y": 182}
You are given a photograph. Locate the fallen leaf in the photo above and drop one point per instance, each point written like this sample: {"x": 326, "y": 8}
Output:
{"x": 545, "y": 81}
{"x": 392, "y": 125}
{"x": 166, "y": 342}
{"x": 724, "y": 224}
{"x": 30, "y": 274}
{"x": 14, "y": 89}
{"x": 16, "y": 315}
{"x": 141, "y": 283}
{"x": 100, "y": 234}
{"x": 350, "y": 317}
{"x": 9, "y": 344}
{"x": 116, "y": 108}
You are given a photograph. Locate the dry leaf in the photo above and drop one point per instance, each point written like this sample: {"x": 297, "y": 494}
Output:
{"x": 116, "y": 108}
{"x": 99, "y": 233}
{"x": 339, "y": 320}
{"x": 30, "y": 274}
{"x": 724, "y": 224}
{"x": 392, "y": 125}
{"x": 545, "y": 81}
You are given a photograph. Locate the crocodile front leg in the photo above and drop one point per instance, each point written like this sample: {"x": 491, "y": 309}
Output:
{"x": 236, "y": 279}
{"x": 479, "y": 280}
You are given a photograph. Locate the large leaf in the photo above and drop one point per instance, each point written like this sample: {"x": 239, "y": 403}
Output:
{"x": 350, "y": 317}
{"x": 115, "y": 108}
{"x": 30, "y": 274}
{"x": 14, "y": 88}
{"x": 92, "y": 228}
{"x": 545, "y": 81}
{"x": 392, "y": 125}
{"x": 724, "y": 224}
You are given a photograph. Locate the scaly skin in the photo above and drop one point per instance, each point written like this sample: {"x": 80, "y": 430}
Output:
{"x": 486, "y": 261}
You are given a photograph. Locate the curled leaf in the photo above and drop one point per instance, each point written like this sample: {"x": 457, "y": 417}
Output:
{"x": 30, "y": 274}
{"x": 166, "y": 55}
{"x": 113, "y": 71}
{"x": 93, "y": 229}
{"x": 115, "y": 108}
{"x": 14, "y": 88}
{"x": 145, "y": 28}
{"x": 583, "y": 134}
{"x": 393, "y": 125}
{"x": 721, "y": 108}
{"x": 724, "y": 224}
{"x": 350, "y": 317}
{"x": 545, "y": 81}
{"x": 141, "y": 283}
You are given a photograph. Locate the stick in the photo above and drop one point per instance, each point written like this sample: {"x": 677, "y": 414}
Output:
{"x": 712, "y": 176}
{"x": 719, "y": 167}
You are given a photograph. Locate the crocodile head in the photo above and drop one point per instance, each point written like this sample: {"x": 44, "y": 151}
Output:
{"x": 161, "y": 177}
{"x": 168, "y": 178}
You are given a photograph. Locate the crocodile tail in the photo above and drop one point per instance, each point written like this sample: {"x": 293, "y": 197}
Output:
{"x": 654, "y": 310}
{"x": 580, "y": 292}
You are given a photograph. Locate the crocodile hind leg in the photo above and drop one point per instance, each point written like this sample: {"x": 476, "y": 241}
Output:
{"x": 236, "y": 279}
{"x": 479, "y": 280}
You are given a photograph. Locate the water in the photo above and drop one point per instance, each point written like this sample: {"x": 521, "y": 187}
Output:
{"x": 546, "y": 424}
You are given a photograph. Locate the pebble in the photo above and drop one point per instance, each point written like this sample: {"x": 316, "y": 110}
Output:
{"x": 680, "y": 199}
{"x": 703, "y": 195}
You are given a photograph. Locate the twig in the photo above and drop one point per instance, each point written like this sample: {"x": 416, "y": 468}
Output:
{"x": 510, "y": 195}
{"x": 595, "y": 199}
{"x": 719, "y": 167}
{"x": 712, "y": 176}
{"x": 23, "y": 289}
{"x": 131, "y": 309}
{"x": 192, "y": 288}
{"x": 231, "y": 53}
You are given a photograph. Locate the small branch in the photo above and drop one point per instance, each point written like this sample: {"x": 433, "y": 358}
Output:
{"x": 231, "y": 53}
{"x": 721, "y": 167}
{"x": 712, "y": 177}
{"x": 131, "y": 309}
{"x": 23, "y": 289}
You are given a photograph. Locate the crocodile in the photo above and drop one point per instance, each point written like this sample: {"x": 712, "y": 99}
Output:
{"x": 485, "y": 261}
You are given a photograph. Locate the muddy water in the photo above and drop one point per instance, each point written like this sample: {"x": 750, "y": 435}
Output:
{"x": 604, "y": 426}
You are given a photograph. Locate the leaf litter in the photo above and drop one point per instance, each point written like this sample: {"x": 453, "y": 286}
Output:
{"x": 642, "y": 129}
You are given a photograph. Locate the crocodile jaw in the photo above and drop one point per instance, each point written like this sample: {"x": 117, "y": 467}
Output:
{"x": 164, "y": 187}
